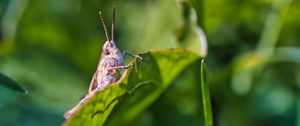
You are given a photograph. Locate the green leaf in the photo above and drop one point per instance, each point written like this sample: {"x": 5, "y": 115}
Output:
{"x": 11, "y": 84}
{"x": 208, "y": 119}
{"x": 198, "y": 6}
{"x": 142, "y": 85}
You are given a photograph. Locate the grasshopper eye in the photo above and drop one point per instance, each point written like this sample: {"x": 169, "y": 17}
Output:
{"x": 105, "y": 52}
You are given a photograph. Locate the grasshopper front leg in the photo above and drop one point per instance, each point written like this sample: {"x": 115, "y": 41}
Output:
{"x": 132, "y": 55}
{"x": 129, "y": 65}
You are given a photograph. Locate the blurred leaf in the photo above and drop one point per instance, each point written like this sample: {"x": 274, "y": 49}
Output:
{"x": 243, "y": 81}
{"x": 273, "y": 23}
{"x": 198, "y": 6}
{"x": 208, "y": 119}
{"x": 191, "y": 34}
{"x": 40, "y": 73}
{"x": 143, "y": 85}
{"x": 291, "y": 54}
{"x": 11, "y": 84}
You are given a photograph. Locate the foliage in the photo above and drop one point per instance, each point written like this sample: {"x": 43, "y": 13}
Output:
{"x": 208, "y": 119}
{"x": 8, "y": 82}
{"x": 144, "y": 84}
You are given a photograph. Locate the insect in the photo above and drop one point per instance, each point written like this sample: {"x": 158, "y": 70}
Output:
{"x": 109, "y": 68}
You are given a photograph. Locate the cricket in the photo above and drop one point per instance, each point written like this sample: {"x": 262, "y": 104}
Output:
{"x": 109, "y": 68}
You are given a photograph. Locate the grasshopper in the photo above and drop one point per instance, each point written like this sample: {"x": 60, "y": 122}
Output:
{"x": 109, "y": 68}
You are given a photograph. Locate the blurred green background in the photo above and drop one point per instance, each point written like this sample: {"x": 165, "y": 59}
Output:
{"x": 51, "y": 48}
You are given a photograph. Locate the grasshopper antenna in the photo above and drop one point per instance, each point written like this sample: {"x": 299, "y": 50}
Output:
{"x": 104, "y": 26}
{"x": 113, "y": 24}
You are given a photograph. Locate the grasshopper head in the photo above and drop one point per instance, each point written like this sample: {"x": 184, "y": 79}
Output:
{"x": 109, "y": 47}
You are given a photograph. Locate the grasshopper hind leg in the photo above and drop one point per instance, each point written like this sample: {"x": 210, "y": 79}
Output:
{"x": 93, "y": 84}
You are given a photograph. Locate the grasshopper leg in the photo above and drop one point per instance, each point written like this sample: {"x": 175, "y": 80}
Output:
{"x": 129, "y": 65}
{"x": 93, "y": 83}
{"x": 120, "y": 67}
{"x": 71, "y": 112}
{"x": 132, "y": 55}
